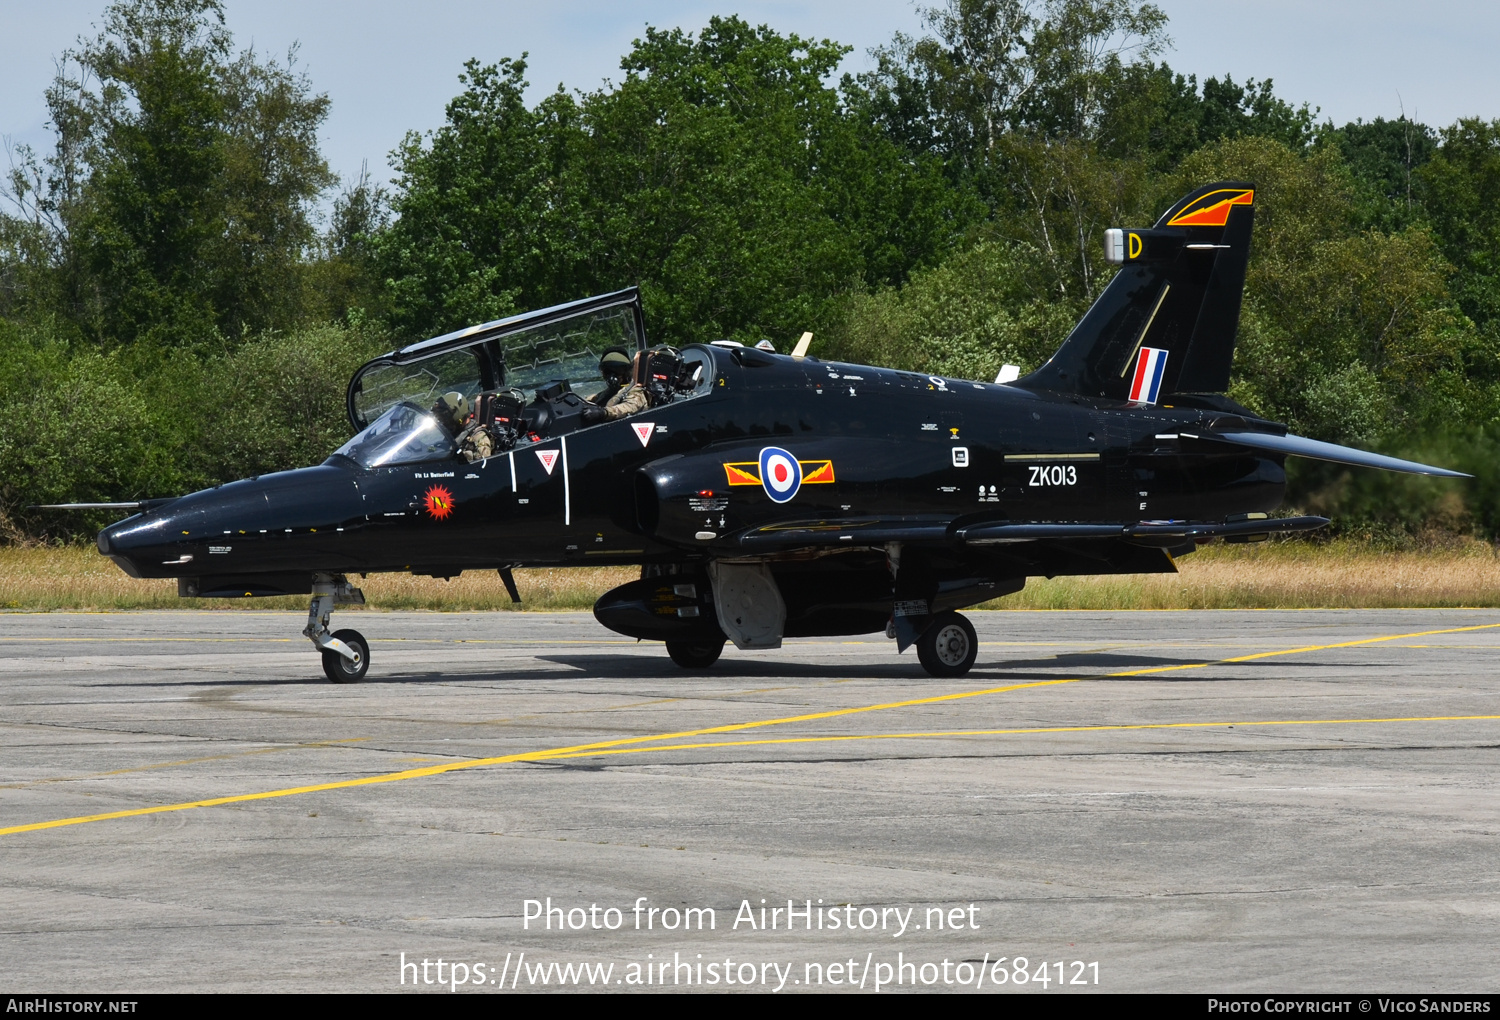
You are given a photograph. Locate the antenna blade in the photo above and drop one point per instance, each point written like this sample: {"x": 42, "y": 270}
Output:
{"x": 800, "y": 351}
{"x": 85, "y": 506}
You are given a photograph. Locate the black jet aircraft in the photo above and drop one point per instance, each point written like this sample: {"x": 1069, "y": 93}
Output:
{"x": 767, "y": 496}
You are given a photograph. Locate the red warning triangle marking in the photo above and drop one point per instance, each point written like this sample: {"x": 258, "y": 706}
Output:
{"x": 548, "y": 459}
{"x": 643, "y": 430}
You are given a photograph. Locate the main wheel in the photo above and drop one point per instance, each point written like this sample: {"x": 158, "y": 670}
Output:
{"x": 948, "y": 646}
{"x": 695, "y": 654}
{"x": 339, "y": 669}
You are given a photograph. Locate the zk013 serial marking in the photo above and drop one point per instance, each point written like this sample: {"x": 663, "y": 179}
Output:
{"x": 1055, "y": 474}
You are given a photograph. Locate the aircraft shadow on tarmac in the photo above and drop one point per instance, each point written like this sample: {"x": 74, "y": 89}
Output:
{"x": 637, "y": 667}
{"x": 615, "y": 667}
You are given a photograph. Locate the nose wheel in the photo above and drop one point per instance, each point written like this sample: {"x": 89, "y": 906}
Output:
{"x": 346, "y": 653}
{"x": 949, "y": 646}
{"x": 343, "y": 670}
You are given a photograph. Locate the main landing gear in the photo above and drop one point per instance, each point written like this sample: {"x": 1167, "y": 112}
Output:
{"x": 949, "y": 646}
{"x": 695, "y": 654}
{"x": 346, "y": 654}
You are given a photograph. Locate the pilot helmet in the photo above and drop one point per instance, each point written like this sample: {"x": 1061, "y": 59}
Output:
{"x": 614, "y": 365}
{"x": 452, "y": 408}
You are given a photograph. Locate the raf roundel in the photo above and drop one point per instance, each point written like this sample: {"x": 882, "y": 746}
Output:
{"x": 780, "y": 474}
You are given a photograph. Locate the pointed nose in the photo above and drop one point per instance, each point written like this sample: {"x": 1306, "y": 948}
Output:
{"x": 231, "y": 524}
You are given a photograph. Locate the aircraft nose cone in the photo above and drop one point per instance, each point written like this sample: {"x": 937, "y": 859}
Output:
{"x": 227, "y": 526}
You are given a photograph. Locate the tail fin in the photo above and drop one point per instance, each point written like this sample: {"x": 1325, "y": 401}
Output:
{"x": 1167, "y": 321}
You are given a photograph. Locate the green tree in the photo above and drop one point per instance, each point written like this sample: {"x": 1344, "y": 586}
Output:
{"x": 727, "y": 175}
{"x": 344, "y": 282}
{"x": 996, "y": 66}
{"x": 724, "y": 174}
{"x": 177, "y": 201}
{"x": 1385, "y": 157}
{"x": 1349, "y": 335}
{"x": 1460, "y": 192}
{"x": 472, "y": 200}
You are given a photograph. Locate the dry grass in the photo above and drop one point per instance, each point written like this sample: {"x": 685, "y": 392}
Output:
{"x": 1291, "y": 575}
{"x": 1286, "y": 575}
{"x": 74, "y": 577}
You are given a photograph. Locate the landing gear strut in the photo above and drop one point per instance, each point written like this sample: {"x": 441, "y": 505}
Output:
{"x": 346, "y": 654}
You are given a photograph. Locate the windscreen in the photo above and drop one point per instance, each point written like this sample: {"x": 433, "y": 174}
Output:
{"x": 405, "y": 434}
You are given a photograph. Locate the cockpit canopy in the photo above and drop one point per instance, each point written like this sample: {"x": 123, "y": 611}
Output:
{"x": 542, "y": 366}
{"x": 525, "y": 352}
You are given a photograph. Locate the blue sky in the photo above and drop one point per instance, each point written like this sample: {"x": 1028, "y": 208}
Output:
{"x": 389, "y": 67}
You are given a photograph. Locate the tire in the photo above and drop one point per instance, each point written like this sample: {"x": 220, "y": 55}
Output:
{"x": 949, "y": 646}
{"x": 339, "y": 669}
{"x": 695, "y": 654}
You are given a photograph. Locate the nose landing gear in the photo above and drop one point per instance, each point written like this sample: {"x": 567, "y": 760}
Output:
{"x": 346, "y": 654}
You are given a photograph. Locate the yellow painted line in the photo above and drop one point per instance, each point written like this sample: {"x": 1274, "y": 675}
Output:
{"x": 1039, "y": 729}
{"x": 579, "y": 750}
{"x": 961, "y": 695}
{"x": 242, "y": 798}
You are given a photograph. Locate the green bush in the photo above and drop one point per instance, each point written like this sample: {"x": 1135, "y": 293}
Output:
{"x": 965, "y": 318}
{"x": 86, "y": 425}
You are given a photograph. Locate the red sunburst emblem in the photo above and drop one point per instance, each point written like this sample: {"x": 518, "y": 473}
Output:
{"x": 439, "y": 502}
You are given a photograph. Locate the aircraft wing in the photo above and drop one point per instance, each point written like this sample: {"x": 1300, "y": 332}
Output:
{"x": 866, "y": 531}
{"x": 848, "y": 531}
{"x": 1300, "y": 446}
{"x": 1000, "y": 533}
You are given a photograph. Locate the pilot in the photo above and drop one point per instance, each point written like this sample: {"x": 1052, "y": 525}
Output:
{"x": 452, "y": 411}
{"x": 631, "y": 400}
{"x": 614, "y": 366}
{"x": 454, "y": 414}
{"x": 476, "y": 443}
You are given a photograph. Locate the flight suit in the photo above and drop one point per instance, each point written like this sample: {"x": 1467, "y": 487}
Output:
{"x": 630, "y": 400}
{"x": 476, "y": 444}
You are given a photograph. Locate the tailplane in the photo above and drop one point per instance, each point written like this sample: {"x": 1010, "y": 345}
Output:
{"x": 1167, "y": 321}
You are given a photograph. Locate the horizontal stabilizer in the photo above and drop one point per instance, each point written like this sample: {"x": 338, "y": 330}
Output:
{"x": 1300, "y": 446}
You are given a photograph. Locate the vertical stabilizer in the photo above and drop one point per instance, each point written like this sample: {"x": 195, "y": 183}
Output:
{"x": 1167, "y": 321}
